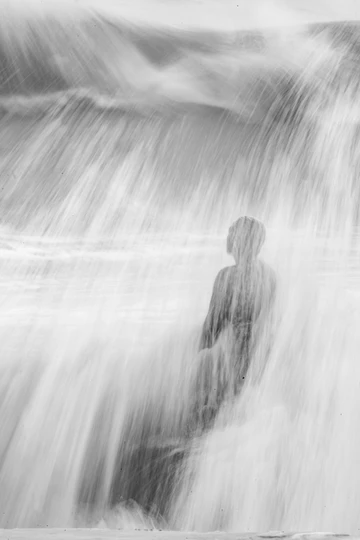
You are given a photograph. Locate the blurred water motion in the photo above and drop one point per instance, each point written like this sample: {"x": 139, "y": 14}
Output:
{"x": 125, "y": 154}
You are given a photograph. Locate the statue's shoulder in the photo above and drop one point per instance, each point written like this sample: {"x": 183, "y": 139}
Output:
{"x": 268, "y": 275}
{"x": 225, "y": 277}
{"x": 226, "y": 273}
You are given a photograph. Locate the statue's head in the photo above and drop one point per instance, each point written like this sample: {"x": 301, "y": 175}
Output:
{"x": 245, "y": 238}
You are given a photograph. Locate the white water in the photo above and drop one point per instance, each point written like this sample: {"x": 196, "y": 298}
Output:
{"x": 113, "y": 231}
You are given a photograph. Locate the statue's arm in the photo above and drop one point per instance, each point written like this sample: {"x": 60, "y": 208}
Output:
{"x": 211, "y": 327}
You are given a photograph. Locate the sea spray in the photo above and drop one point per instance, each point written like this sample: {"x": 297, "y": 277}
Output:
{"x": 120, "y": 175}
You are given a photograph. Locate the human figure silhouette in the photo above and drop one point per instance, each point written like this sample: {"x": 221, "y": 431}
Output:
{"x": 243, "y": 290}
{"x": 241, "y": 294}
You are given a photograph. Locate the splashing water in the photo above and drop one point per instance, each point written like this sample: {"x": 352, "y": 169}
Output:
{"x": 126, "y": 152}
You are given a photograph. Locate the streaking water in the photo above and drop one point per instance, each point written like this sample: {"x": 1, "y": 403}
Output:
{"x": 125, "y": 155}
